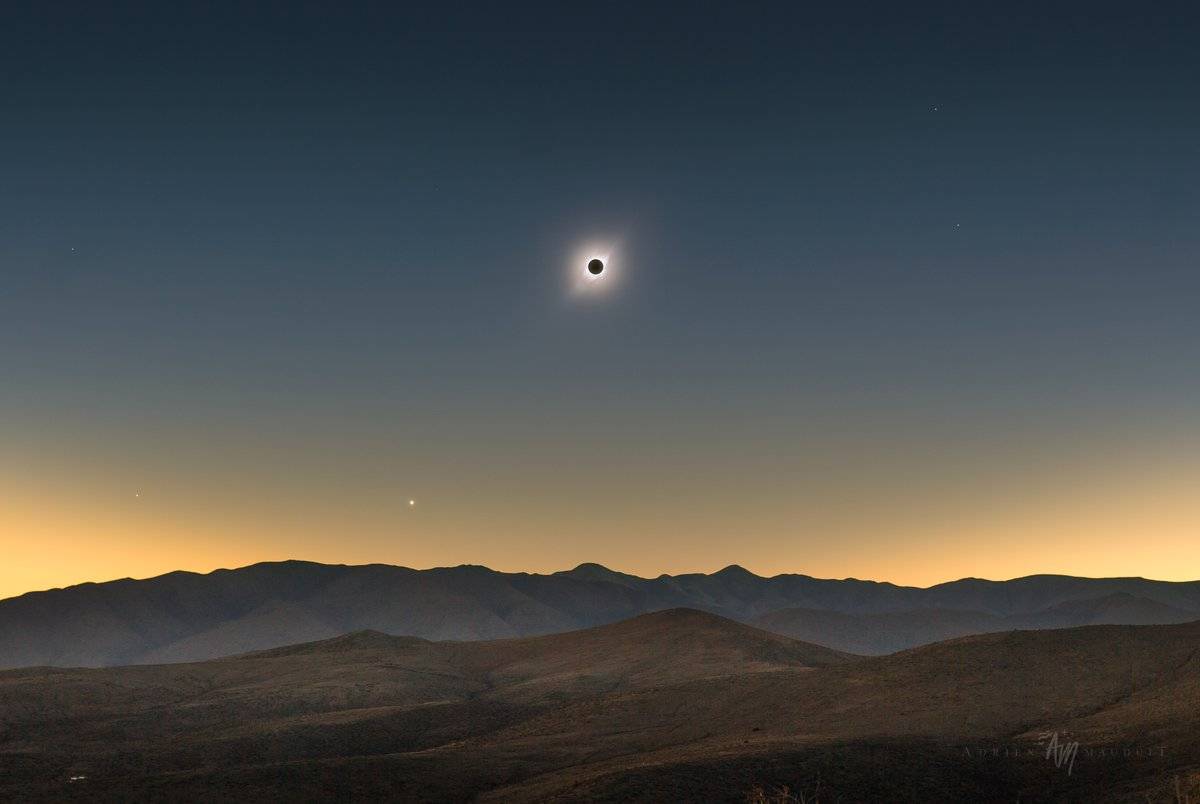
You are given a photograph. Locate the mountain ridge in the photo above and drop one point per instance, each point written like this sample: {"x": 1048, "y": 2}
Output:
{"x": 184, "y": 616}
{"x": 591, "y": 565}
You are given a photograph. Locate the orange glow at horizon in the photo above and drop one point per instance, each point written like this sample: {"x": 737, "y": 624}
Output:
{"x": 1137, "y": 516}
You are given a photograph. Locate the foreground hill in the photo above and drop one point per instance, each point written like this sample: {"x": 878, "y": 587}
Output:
{"x": 645, "y": 651}
{"x": 361, "y": 693}
{"x": 184, "y": 616}
{"x": 668, "y": 706}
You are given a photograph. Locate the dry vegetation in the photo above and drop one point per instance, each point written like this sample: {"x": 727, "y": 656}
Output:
{"x": 668, "y": 706}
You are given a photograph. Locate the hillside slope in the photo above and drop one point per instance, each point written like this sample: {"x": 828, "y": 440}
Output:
{"x": 678, "y": 704}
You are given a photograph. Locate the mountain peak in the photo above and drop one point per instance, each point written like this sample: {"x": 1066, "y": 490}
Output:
{"x": 735, "y": 571}
{"x": 592, "y": 566}
{"x": 590, "y": 571}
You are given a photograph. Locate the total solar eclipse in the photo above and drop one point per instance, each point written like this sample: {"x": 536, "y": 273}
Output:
{"x": 593, "y": 269}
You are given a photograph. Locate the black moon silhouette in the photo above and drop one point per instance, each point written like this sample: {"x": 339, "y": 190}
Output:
{"x": 596, "y": 267}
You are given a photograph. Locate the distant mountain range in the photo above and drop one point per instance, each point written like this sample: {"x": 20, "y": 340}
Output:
{"x": 184, "y": 616}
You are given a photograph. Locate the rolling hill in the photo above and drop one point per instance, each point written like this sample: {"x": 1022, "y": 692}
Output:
{"x": 672, "y": 705}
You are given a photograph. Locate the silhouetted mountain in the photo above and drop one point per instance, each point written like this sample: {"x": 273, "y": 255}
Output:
{"x": 185, "y": 616}
{"x": 598, "y": 572}
{"x": 676, "y": 705}
{"x": 869, "y": 634}
{"x": 1119, "y": 608}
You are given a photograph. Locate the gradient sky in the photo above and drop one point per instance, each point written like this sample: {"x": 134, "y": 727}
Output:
{"x": 907, "y": 292}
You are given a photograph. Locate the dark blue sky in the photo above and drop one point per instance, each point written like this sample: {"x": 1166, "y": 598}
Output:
{"x": 330, "y": 227}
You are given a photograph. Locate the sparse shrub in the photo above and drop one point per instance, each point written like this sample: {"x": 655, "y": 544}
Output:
{"x": 784, "y": 795}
